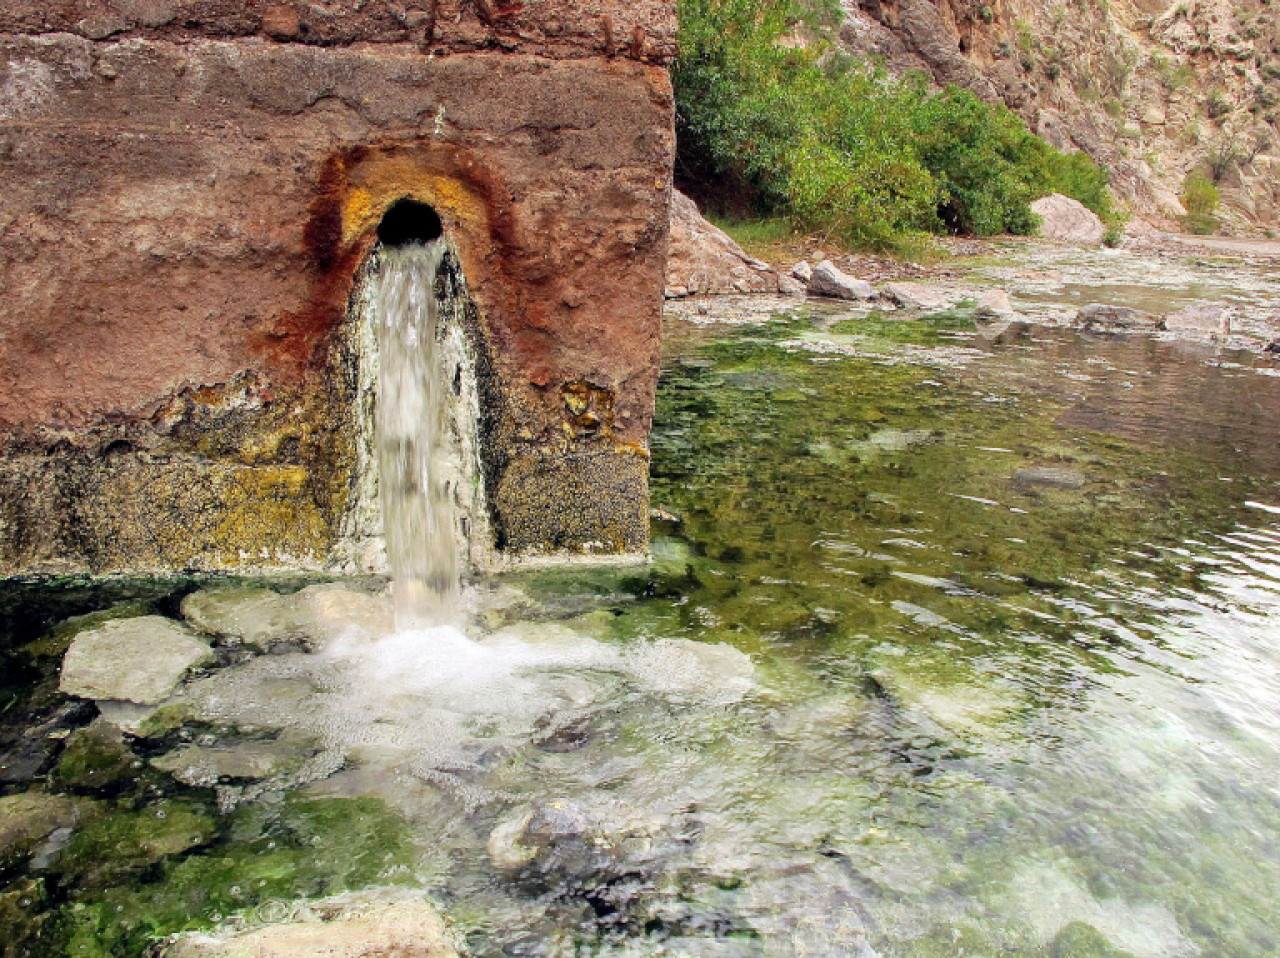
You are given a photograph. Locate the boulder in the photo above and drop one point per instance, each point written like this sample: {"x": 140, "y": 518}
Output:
{"x": 1104, "y": 316}
{"x": 1212, "y": 319}
{"x": 1065, "y": 220}
{"x": 348, "y": 926}
{"x": 705, "y": 259}
{"x": 829, "y": 280}
{"x": 916, "y": 296}
{"x": 134, "y": 660}
{"x": 803, "y": 271}
{"x": 994, "y": 304}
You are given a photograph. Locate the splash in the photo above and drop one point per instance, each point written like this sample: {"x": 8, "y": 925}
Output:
{"x": 416, "y": 458}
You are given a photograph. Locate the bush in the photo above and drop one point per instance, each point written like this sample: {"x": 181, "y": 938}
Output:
{"x": 1200, "y": 200}
{"x": 838, "y": 147}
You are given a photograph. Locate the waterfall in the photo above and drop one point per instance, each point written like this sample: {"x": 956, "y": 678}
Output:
{"x": 418, "y": 461}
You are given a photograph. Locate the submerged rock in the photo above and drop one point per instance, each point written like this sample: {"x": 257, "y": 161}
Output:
{"x": 202, "y": 766}
{"x": 829, "y": 280}
{"x": 1065, "y": 220}
{"x": 1104, "y": 316}
{"x": 1055, "y": 477}
{"x": 562, "y": 840}
{"x": 1078, "y": 940}
{"x": 137, "y": 660}
{"x": 27, "y": 819}
{"x": 359, "y": 925}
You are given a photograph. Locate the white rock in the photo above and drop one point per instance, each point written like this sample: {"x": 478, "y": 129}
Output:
{"x": 829, "y": 280}
{"x": 994, "y": 304}
{"x": 802, "y": 271}
{"x": 135, "y": 660}
{"x": 1213, "y": 319}
{"x": 1068, "y": 221}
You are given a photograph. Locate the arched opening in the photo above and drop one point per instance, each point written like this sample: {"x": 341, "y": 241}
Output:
{"x": 409, "y": 222}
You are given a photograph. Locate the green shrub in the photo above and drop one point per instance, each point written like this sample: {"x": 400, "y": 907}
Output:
{"x": 838, "y": 147}
{"x": 1200, "y": 200}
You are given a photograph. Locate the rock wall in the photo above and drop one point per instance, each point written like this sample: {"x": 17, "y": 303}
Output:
{"x": 1151, "y": 89}
{"x": 190, "y": 189}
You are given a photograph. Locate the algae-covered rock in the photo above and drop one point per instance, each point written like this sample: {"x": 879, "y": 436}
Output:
{"x": 96, "y": 758}
{"x": 347, "y": 926}
{"x": 1078, "y": 940}
{"x": 136, "y": 660}
{"x": 27, "y": 819}
{"x": 125, "y": 841}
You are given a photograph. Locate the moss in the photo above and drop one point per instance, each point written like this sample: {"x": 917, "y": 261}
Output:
{"x": 1078, "y": 940}
{"x": 127, "y": 842}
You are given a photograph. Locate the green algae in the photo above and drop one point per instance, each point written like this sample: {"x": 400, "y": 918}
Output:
{"x": 134, "y": 875}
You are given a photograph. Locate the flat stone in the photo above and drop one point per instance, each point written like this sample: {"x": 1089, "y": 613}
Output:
{"x": 829, "y": 280}
{"x": 255, "y": 616}
{"x": 135, "y": 660}
{"x": 994, "y": 304}
{"x": 916, "y": 296}
{"x": 1104, "y": 316}
{"x": 1065, "y": 220}
{"x": 349, "y": 926}
{"x": 1212, "y": 319}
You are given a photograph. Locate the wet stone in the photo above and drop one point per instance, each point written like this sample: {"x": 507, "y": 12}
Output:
{"x": 135, "y": 660}
{"x": 916, "y": 296}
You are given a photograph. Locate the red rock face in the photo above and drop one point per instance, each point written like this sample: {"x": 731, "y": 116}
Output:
{"x": 183, "y": 218}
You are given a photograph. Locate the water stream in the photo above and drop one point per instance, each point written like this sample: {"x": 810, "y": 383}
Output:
{"x": 955, "y": 642}
{"x": 417, "y": 459}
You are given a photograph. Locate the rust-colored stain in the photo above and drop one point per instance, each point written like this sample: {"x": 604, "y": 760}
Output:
{"x": 354, "y": 189}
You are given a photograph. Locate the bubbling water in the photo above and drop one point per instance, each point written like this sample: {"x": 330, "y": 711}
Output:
{"x": 415, "y": 448}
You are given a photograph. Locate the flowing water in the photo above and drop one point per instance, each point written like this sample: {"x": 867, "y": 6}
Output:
{"x": 956, "y": 642}
{"x": 416, "y": 457}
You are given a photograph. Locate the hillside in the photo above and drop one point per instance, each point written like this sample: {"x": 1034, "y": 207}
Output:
{"x": 1148, "y": 88}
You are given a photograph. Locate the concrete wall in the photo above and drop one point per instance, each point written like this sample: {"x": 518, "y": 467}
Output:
{"x": 190, "y": 189}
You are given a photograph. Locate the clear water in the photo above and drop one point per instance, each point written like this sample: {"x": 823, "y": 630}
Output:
{"x": 416, "y": 455}
{"x": 954, "y": 644}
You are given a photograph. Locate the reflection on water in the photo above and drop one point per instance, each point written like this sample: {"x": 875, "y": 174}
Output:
{"x": 952, "y": 646}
